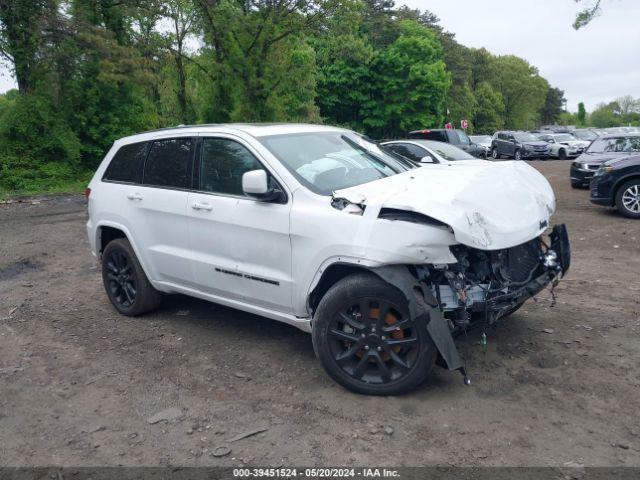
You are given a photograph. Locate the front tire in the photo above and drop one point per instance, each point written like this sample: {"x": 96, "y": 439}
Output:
{"x": 125, "y": 282}
{"x": 366, "y": 340}
{"x": 576, "y": 185}
{"x": 494, "y": 153}
{"x": 562, "y": 154}
{"x": 628, "y": 199}
{"x": 518, "y": 155}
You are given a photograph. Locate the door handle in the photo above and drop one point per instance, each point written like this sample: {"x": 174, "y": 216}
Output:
{"x": 201, "y": 206}
{"x": 134, "y": 196}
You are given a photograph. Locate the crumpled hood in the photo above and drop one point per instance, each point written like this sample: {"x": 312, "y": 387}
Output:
{"x": 488, "y": 205}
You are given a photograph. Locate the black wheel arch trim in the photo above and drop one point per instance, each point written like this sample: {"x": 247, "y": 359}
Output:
{"x": 621, "y": 181}
{"x": 420, "y": 301}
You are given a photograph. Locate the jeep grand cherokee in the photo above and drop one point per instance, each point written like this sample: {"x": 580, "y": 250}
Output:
{"x": 317, "y": 227}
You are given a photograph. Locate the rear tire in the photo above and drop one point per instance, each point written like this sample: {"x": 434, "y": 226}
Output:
{"x": 576, "y": 185}
{"x": 366, "y": 340}
{"x": 562, "y": 154}
{"x": 517, "y": 155}
{"x": 628, "y": 199}
{"x": 494, "y": 153}
{"x": 125, "y": 282}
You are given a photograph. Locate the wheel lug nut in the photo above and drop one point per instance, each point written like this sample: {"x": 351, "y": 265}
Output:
{"x": 362, "y": 335}
{"x": 366, "y": 347}
{"x": 379, "y": 349}
{"x": 383, "y": 337}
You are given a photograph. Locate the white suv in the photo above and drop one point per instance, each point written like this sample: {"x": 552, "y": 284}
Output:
{"x": 381, "y": 260}
{"x": 564, "y": 145}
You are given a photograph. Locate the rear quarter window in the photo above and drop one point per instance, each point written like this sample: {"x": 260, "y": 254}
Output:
{"x": 127, "y": 164}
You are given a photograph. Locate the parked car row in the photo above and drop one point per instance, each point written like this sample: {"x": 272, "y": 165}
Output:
{"x": 610, "y": 167}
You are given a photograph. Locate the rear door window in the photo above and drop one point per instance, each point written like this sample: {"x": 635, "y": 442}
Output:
{"x": 170, "y": 163}
{"x": 127, "y": 164}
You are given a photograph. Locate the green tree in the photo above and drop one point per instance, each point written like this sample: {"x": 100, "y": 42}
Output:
{"x": 25, "y": 28}
{"x": 489, "y": 111}
{"x": 409, "y": 84}
{"x": 523, "y": 91}
{"x": 262, "y": 46}
{"x": 605, "y": 115}
{"x": 582, "y": 115}
{"x": 553, "y": 106}
{"x": 587, "y": 14}
{"x": 343, "y": 57}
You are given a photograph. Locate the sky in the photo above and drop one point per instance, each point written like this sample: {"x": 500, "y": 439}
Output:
{"x": 598, "y": 63}
{"x": 595, "y": 64}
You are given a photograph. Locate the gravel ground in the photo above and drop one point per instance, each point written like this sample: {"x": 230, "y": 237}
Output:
{"x": 80, "y": 385}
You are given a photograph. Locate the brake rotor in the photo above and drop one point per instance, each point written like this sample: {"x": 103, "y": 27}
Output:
{"x": 397, "y": 334}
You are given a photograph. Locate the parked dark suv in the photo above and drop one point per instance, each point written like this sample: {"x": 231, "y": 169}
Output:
{"x": 601, "y": 150}
{"x": 617, "y": 184}
{"x": 455, "y": 137}
{"x": 518, "y": 145}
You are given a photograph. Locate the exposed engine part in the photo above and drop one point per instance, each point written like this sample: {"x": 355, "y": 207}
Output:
{"x": 495, "y": 282}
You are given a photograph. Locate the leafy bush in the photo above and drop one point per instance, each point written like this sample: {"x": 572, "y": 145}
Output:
{"x": 37, "y": 147}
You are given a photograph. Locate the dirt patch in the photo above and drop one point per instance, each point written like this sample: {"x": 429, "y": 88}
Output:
{"x": 19, "y": 267}
{"x": 79, "y": 383}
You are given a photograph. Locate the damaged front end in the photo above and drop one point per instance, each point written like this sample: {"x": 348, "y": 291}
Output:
{"x": 482, "y": 286}
{"x": 493, "y": 284}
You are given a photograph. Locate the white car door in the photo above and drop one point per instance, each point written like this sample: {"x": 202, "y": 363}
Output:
{"x": 240, "y": 246}
{"x": 156, "y": 210}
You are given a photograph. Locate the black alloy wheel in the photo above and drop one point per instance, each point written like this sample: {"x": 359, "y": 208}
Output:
{"x": 121, "y": 280}
{"x": 372, "y": 341}
{"x": 366, "y": 339}
{"x": 125, "y": 282}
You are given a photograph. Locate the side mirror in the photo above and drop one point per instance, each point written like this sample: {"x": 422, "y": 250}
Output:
{"x": 255, "y": 184}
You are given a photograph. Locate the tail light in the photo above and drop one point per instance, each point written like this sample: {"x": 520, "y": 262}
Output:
{"x": 87, "y": 193}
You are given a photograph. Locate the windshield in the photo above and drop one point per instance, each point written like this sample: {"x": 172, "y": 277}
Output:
{"x": 525, "y": 137}
{"x": 564, "y": 138}
{"x": 449, "y": 152}
{"x": 585, "y": 135}
{"x": 329, "y": 161}
{"x": 621, "y": 144}
{"x": 481, "y": 138}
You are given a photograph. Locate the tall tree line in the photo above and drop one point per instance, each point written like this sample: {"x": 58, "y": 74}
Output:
{"x": 90, "y": 71}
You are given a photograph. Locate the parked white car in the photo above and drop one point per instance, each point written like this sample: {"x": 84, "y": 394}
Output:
{"x": 564, "y": 145}
{"x": 317, "y": 227}
{"x": 484, "y": 141}
{"x": 428, "y": 151}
